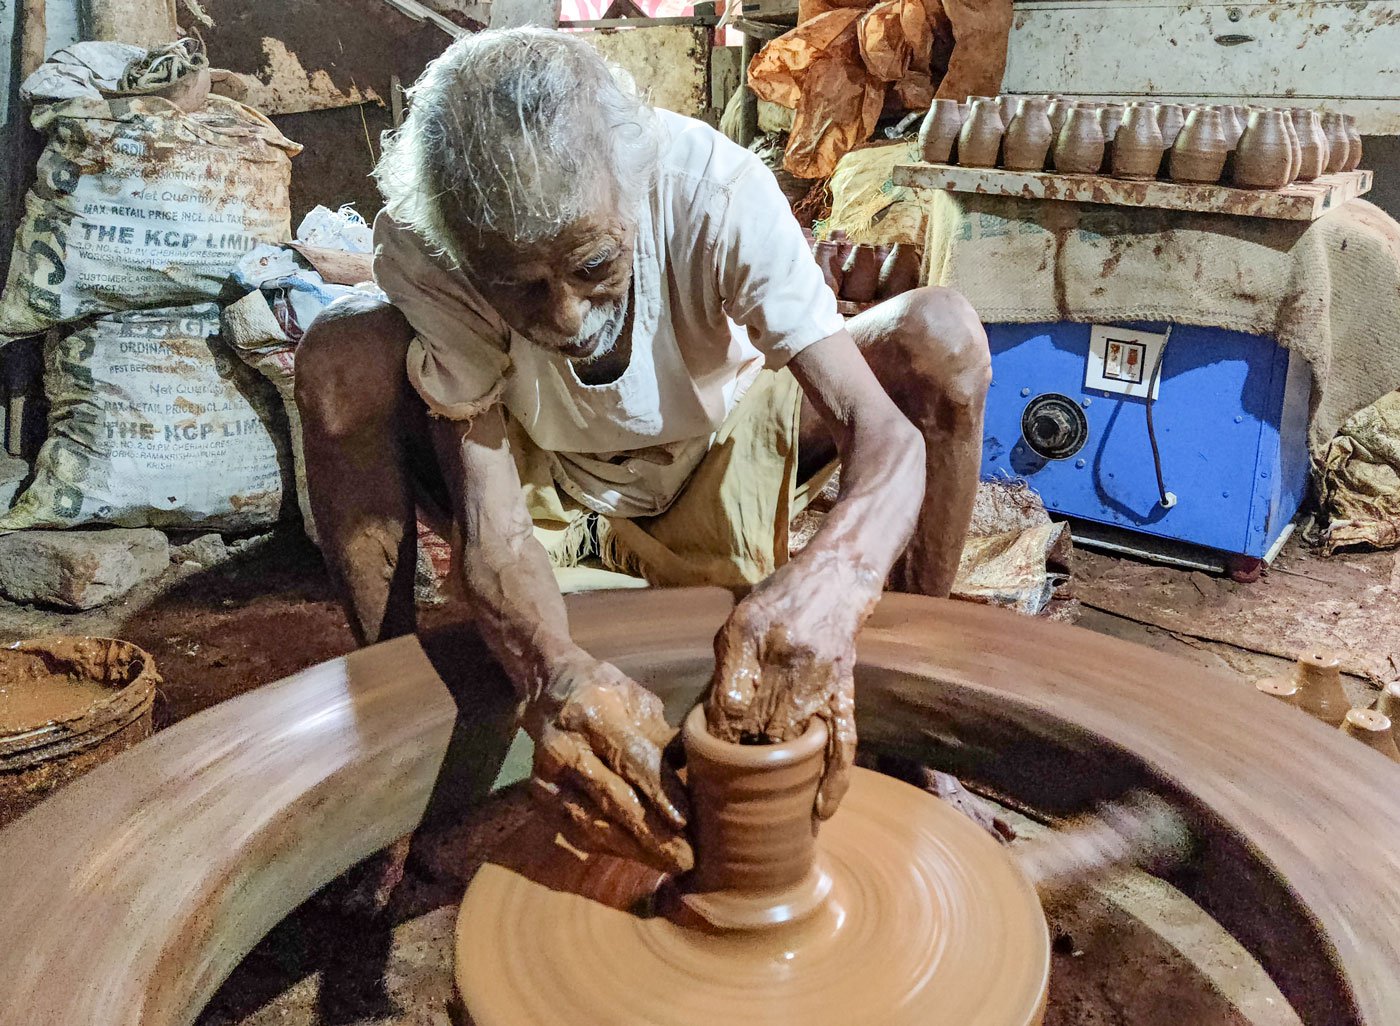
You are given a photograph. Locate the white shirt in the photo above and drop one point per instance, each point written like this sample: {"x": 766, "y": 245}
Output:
{"x": 723, "y": 283}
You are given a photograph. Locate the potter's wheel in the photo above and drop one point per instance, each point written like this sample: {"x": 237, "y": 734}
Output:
{"x": 927, "y": 921}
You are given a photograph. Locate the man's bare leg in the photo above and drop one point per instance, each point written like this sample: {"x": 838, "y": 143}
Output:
{"x": 929, "y": 351}
{"x": 353, "y": 393}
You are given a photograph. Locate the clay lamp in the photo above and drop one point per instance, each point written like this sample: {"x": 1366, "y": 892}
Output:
{"x": 898, "y": 911}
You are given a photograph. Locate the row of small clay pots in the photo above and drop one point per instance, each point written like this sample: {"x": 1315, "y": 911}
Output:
{"x": 861, "y": 273}
{"x": 1260, "y": 147}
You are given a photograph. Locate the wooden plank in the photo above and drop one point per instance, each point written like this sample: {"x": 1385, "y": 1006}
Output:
{"x": 1336, "y": 53}
{"x": 1301, "y": 201}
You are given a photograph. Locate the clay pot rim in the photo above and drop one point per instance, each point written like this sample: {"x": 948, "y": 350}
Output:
{"x": 123, "y": 704}
{"x": 698, "y": 740}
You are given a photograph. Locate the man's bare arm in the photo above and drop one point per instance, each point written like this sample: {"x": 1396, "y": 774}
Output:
{"x": 787, "y": 653}
{"x": 599, "y": 736}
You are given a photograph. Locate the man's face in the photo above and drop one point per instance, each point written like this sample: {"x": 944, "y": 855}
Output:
{"x": 567, "y": 294}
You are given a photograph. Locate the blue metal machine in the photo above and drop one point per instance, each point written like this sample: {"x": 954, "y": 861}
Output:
{"x": 1068, "y": 411}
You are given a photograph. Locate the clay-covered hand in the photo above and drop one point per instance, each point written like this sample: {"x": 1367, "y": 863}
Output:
{"x": 787, "y": 655}
{"x": 600, "y": 739}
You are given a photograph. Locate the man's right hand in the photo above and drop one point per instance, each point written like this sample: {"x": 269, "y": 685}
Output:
{"x": 600, "y": 739}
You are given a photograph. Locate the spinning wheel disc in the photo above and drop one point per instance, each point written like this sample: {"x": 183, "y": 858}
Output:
{"x": 928, "y": 922}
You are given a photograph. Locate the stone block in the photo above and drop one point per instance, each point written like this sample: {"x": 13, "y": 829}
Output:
{"x": 79, "y": 569}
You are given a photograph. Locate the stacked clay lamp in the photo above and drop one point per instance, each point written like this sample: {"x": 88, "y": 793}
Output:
{"x": 1248, "y": 147}
{"x": 898, "y": 911}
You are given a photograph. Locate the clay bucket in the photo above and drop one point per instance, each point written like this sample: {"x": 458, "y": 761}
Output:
{"x": 114, "y": 687}
{"x": 755, "y": 838}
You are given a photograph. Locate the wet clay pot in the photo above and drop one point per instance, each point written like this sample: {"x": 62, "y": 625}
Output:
{"x": 1372, "y": 729}
{"x": 828, "y": 257}
{"x": 1320, "y": 691}
{"x": 1028, "y": 138}
{"x": 1055, "y": 110}
{"x": 938, "y": 135}
{"x": 1198, "y": 155}
{"x": 979, "y": 142}
{"x": 1079, "y": 148}
{"x": 755, "y": 838}
{"x": 1138, "y": 146}
{"x": 1312, "y": 143}
{"x": 1264, "y": 156}
{"x": 1354, "y": 138}
{"x": 900, "y": 272}
{"x": 860, "y": 274}
{"x": 1338, "y": 142}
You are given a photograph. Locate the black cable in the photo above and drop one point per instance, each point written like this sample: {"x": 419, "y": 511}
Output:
{"x": 1168, "y": 500}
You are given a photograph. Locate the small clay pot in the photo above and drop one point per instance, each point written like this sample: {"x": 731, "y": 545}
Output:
{"x": 1007, "y": 106}
{"x": 1264, "y": 156}
{"x": 900, "y": 271}
{"x": 1170, "y": 118}
{"x": 1198, "y": 155}
{"x": 1338, "y": 142}
{"x": 1079, "y": 148}
{"x": 938, "y": 135}
{"x": 1388, "y": 704}
{"x": 1285, "y": 689}
{"x": 1056, "y": 110}
{"x": 860, "y": 274}
{"x": 1320, "y": 691}
{"x": 979, "y": 142}
{"x": 1311, "y": 142}
{"x": 1373, "y": 730}
{"x": 1354, "y": 137}
{"x": 756, "y": 858}
{"x": 1028, "y": 138}
{"x": 1138, "y": 146}
{"x": 1232, "y": 124}
{"x": 1295, "y": 145}
{"x": 828, "y": 256}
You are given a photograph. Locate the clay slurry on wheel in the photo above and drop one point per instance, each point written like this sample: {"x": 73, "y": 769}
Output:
{"x": 903, "y": 912}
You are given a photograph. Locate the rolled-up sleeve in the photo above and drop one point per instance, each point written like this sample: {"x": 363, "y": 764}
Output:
{"x": 769, "y": 282}
{"x": 460, "y": 357}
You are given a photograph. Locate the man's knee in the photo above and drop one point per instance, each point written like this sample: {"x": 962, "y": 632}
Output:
{"x": 350, "y": 370}
{"x": 944, "y": 343}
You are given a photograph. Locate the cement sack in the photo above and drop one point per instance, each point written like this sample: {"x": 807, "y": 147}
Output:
{"x": 153, "y": 422}
{"x": 139, "y": 203}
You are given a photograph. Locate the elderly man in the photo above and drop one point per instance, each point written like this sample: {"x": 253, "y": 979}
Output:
{"x": 607, "y": 343}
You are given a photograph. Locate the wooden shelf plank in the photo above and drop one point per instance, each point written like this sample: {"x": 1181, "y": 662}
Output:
{"x": 1301, "y": 201}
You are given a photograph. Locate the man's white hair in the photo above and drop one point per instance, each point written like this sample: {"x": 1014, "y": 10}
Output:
{"x": 517, "y": 133}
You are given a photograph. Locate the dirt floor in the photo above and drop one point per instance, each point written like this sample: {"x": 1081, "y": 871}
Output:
{"x": 268, "y": 612}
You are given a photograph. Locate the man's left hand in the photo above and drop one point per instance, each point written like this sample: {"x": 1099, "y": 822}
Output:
{"x": 786, "y": 656}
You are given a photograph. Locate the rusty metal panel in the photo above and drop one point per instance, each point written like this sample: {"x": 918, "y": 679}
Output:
{"x": 1337, "y": 54}
{"x": 671, "y": 63}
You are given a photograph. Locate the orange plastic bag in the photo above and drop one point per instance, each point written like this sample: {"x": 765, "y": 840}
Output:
{"x": 843, "y": 64}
